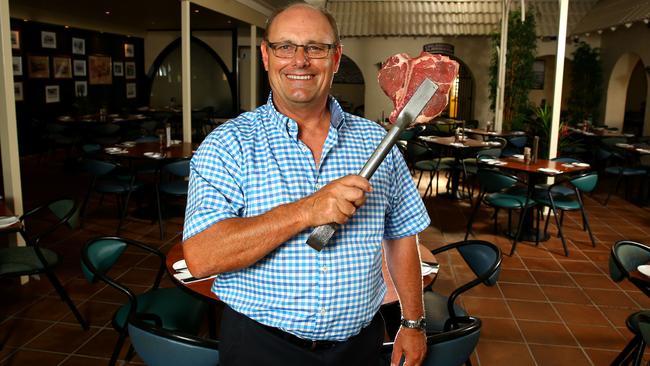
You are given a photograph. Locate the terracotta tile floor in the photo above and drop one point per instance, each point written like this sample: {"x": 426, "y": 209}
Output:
{"x": 547, "y": 309}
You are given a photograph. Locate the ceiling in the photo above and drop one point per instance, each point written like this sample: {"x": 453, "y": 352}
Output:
{"x": 129, "y": 16}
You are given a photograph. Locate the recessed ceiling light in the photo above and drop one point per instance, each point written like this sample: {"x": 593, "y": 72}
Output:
{"x": 25, "y": 20}
{"x": 230, "y": 21}
{"x": 107, "y": 12}
{"x": 66, "y": 26}
{"x": 196, "y": 10}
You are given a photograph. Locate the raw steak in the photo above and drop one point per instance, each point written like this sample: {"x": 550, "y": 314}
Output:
{"x": 401, "y": 75}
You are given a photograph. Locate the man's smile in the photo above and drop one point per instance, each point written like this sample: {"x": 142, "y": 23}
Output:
{"x": 299, "y": 77}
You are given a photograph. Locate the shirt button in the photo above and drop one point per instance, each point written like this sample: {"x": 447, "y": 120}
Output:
{"x": 323, "y": 268}
{"x": 322, "y": 311}
{"x": 317, "y": 185}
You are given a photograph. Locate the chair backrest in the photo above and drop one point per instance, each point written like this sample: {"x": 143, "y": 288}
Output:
{"x": 492, "y": 181}
{"x": 586, "y": 182}
{"x": 97, "y": 167}
{"x": 625, "y": 257}
{"x": 180, "y": 168}
{"x": 488, "y": 153}
{"x": 100, "y": 254}
{"x": 484, "y": 259}
{"x": 644, "y": 326}
{"x": 500, "y": 140}
{"x": 65, "y": 210}
{"x": 143, "y": 139}
{"x": 566, "y": 159}
{"x": 417, "y": 150}
{"x": 449, "y": 348}
{"x": 519, "y": 141}
{"x": 161, "y": 347}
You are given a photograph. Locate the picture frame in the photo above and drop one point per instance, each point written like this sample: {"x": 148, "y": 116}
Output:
{"x": 15, "y": 40}
{"x": 38, "y": 67}
{"x": 129, "y": 50}
{"x": 52, "y": 94}
{"x": 48, "y": 39}
{"x": 78, "y": 46}
{"x": 81, "y": 89}
{"x": 62, "y": 67}
{"x": 79, "y": 68}
{"x": 130, "y": 90}
{"x": 538, "y": 75}
{"x": 17, "y": 65}
{"x": 118, "y": 68}
{"x": 129, "y": 70}
{"x": 18, "y": 91}
{"x": 99, "y": 70}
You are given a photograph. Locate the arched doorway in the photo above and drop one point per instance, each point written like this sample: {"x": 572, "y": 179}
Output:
{"x": 635, "y": 103}
{"x": 348, "y": 87}
{"x": 461, "y": 95}
{"x": 213, "y": 86}
{"x": 617, "y": 89}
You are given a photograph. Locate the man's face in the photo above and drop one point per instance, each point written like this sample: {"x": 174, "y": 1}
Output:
{"x": 300, "y": 82}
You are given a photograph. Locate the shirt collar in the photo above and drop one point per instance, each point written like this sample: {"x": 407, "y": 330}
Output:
{"x": 337, "y": 117}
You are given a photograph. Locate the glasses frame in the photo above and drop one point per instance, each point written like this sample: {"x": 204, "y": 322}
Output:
{"x": 329, "y": 47}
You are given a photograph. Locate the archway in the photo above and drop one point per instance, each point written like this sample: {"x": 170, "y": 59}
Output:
{"x": 461, "y": 95}
{"x": 635, "y": 103}
{"x": 348, "y": 87}
{"x": 617, "y": 88}
{"x": 213, "y": 86}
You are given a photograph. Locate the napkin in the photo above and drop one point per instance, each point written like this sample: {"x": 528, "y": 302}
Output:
{"x": 623, "y": 145}
{"x": 429, "y": 268}
{"x": 6, "y": 221}
{"x": 154, "y": 155}
{"x": 549, "y": 170}
{"x": 518, "y": 156}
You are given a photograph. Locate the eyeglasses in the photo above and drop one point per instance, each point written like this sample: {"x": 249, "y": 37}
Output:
{"x": 312, "y": 50}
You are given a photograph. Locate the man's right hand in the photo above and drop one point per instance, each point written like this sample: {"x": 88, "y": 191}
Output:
{"x": 335, "y": 202}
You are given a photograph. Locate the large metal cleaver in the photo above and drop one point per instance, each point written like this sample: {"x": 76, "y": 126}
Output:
{"x": 322, "y": 234}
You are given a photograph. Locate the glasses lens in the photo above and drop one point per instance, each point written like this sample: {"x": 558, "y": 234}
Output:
{"x": 284, "y": 49}
{"x": 316, "y": 50}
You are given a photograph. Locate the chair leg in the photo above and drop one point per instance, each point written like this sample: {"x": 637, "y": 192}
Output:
{"x": 420, "y": 178}
{"x": 471, "y": 218}
{"x": 639, "y": 354}
{"x": 548, "y": 220}
{"x": 586, "y": 222}
{"x": 125, "y": 206}
{"x": 559, "y": 225}
{"x": 540, "y": 211}
{"x": 496, "y": 216}
{"x": 66, "y": 299}
{"x": 521, "y": 222}
{"x": 618, "y": 182}
{"x": 118, "y": 347}
{"x": 561, "y": 219}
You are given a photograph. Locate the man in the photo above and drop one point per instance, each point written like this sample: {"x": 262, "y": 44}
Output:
{"x": 260, "y": 183}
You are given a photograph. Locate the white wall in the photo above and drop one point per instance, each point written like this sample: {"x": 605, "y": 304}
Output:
{"x": 367, "y": 52}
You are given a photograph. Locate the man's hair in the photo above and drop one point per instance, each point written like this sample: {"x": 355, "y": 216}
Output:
{"x": 322, "y": 10}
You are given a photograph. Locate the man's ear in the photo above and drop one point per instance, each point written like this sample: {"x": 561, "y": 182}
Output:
{"x": 338, "y": 52}
{"x": 265, "y": 55}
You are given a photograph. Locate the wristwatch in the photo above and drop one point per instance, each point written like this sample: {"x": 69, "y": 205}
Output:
{"x": 420, "y": 324}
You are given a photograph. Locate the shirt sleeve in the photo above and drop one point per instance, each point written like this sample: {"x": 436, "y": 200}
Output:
{"x": 214, "y": 191}
{"x": 406, "y": 215}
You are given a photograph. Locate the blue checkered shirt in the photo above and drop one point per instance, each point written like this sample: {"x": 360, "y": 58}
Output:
{"x": 256, "y": 162}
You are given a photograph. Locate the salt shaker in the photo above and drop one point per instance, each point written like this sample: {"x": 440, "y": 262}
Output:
{"x": 527, "y": 155}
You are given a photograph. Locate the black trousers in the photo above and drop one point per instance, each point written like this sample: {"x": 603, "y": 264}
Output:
{"x": 245, "y": 342}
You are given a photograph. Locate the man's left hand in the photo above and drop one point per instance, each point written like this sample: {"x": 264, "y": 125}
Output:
{"x": 410, "y": 343}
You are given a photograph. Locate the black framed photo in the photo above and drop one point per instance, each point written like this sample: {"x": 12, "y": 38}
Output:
{"x": 118, "y": 68}
{"x": 62, "y": 67}
{"x": 15, "y": 40}
{"x": 17, "y": 65}
{"x": 129, "y": 50}
{"x": 52, "y": 94}
{"x": 78, "y": 46}
{"x": 18, "y": 91}
{"x": 129, "y": 70}
{"x": 538, "y": 74}
{"x": 81, "y": 88}
{"x": 79, "y": 68}
{"x": 48, "y": 39}
{"x": 38, "y": 67}
{"x": 130, "y": 90}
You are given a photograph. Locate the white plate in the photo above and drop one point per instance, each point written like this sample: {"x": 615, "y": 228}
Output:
{"x": 128, "y": 143}
{"x": 115, "y": 150}
{"x": 179, "y": 265}
{"x": 154, "y": 155}
{"x": 581, "y": 164}
{"x": 518, "y": 156}
{"x": 6, "y": 221}
{"x": 645, "y": 269}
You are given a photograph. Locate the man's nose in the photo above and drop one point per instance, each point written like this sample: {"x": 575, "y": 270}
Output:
{"x": 300, "y": 58}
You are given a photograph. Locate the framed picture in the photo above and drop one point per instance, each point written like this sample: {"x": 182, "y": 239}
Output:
{"x": 15, "y": 40}
{"x": 80, "y": 89}
{"x": 62, "y": 67}
{"x": 52, "y": 94}
{"x": 18, "y": 91}
{"x": 118, "y": 69}
{"x": 130, "y": 90}
{"x": 79, "y": 68}
{"x": 129, "y": 70}
{"x": 78, "y": 46}
{"x": 17, "y": 63}
{"x": 99, "y": 70}
{"x": 129, "y": 50}
{"x": 48, "y": 39}
{"x": 538, "y": 74}
{"x": 38, "y": 67}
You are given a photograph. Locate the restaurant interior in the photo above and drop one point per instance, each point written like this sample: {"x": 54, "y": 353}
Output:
{"x": 97, "y": 135}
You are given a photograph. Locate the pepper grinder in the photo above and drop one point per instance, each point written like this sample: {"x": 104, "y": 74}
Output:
{"x": 535, "y": 149}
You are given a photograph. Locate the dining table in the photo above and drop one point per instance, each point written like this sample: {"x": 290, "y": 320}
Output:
{"x": 461, "y": 148}
{"x": 535, "y": 172}
{"x": 486, "y": 135}
{"x": 152, "y": 150}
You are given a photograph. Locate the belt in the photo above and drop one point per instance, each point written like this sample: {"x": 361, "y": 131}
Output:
{"x": 302, "y": 343}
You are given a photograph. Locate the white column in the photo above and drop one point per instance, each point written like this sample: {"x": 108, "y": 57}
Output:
{"x": 559, "y": 77}
{"x": 186, "y": 65}
{"x": 501, "y": 76}
{"x": 253, "y": 59}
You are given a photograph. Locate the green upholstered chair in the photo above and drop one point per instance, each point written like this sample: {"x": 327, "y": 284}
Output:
{"x": 615, "y": 164}
{"x": 449, "y": 348}
{"x": 425, "y": 158}
{"x": 625, "y": 257}
{"x": 500, "y": 190}
{"x": 173, "y": 182}
{"x": 582, "y": 183}
{"x": 158, "y": 346}
{"x": 171, "y": 308}
{"x": 35, "y": 226}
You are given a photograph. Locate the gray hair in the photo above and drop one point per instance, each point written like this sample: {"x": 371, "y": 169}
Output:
{"x": 322, "y": 10}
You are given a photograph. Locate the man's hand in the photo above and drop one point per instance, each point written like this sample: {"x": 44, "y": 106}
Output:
{"x": 336, "y": 202}
{"x": 410, "y": 343}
